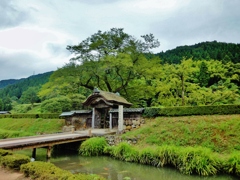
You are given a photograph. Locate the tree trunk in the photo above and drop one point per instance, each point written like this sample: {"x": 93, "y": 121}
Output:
{"x": 183, "y": 89}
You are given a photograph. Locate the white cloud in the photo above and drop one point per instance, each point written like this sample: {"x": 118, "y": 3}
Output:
{"x": 34, "y": 34}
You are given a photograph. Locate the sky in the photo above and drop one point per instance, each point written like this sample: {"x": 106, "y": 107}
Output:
{"x": 34, "y": 34}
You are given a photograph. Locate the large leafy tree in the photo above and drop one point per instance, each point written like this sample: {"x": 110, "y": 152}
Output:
{"x": 180, "y": 74}
{"x": 116, "y": 61}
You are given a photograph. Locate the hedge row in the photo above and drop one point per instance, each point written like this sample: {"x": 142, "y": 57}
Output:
{"x": 43, "y": 116}
{"x": 191, "y": 110}
{"x": 14, "y": 161}
{"x": 44, "y": 170}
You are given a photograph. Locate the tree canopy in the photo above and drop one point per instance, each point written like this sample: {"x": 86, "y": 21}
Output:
{"x": 118, "y": 62}
{"x": 114, "y": 61}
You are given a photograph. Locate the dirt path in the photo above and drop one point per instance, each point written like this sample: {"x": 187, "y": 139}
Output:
{"x": 11, "y": 175}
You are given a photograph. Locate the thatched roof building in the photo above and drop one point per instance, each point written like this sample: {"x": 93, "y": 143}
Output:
{"x": 101, "y": 99}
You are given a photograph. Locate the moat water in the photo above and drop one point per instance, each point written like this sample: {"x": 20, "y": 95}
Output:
{"x": 113, "y": 169}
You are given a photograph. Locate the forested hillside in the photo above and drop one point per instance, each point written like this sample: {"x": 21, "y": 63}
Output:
{"x": 225, "y": 52}
{"x": 4, "y": 83}
{"x": 14, "y": 92}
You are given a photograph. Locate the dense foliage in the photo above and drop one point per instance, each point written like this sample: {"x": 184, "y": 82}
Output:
{"x": 225, "y": 52}
{"x": 115, "y": 61}
{"x": 4, "y": 83}
{"x": 191, "y": 110}
{"x": 22, "y": 91}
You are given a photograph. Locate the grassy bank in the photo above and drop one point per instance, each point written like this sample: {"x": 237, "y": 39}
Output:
{"x": 188, "y": 160}
{"x": 10, "y": 127}
{"x": 203, "y": 145}
{"x": 220, "y": 133}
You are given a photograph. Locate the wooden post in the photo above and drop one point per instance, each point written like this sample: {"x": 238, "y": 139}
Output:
{"x": 110, "y": 121}
{"x": 34, "y": 153}
{"x": 90, "y": 132}
{"x": 49, "y": 148}
{"x": 120, "y": 118}
{"x": 93, "y": 117}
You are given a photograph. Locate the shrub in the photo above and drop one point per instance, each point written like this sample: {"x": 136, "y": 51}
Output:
{"x": 126, "y": 152}
{"x": 32, "y": 116}
{"x": 93, "y": 146}
{"x": 22, "y": 108}
{"x": 149, "y": 156}
{"x": 232, "y": 164}
{"x": 56, "y": 105}
{"x": 42, "y": 170}
{"x": 192, "y": 110}
{"x": 5, "y": 152}
{"x": 168, "y": 155}
{"x": 14, "y": 161}
{"x": 198, "y": 160}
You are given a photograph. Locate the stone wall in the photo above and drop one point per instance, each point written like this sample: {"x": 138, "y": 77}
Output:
{"x": 116, "y": 139}
{"x": 130, "y": 124}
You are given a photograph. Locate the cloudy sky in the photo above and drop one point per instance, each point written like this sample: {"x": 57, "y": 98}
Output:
{"x": 34, "y": 33}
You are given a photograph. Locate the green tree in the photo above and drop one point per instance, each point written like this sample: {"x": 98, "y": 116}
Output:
{"x": 76, "y": 101}
{"x": 29, "y": 96}
{"x": 7, "y": 103}
{"x": 203, "y": 75}
{"x": 1, "y": 105}
{"x": 112, "y": 61}
{"x": 56, "y": 105}
{"x": 181, "y": 74}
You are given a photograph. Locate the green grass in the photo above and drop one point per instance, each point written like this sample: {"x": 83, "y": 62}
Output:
{"x": 27, "y": 126}
{"x": 220, "y": 133}
{"x": 26, "y": 108}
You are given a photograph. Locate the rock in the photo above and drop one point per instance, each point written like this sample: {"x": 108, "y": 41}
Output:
{"x": 129, "y": 127}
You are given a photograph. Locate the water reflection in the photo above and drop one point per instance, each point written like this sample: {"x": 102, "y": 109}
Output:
{"x": 113, "y": 169}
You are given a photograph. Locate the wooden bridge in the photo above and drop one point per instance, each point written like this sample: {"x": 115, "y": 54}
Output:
{"x": 49, "y": 140}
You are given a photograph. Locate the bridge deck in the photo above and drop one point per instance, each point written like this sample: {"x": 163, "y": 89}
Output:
{"x": 49, "y": 139}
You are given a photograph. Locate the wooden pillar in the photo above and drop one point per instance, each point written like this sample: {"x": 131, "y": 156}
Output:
{"x": 34, "y": 153}
{"x": 49, "y": 148}
{"x": 110, "y": 121}
{"x": 93, "y": 117}
{"x": 120, "y": 118}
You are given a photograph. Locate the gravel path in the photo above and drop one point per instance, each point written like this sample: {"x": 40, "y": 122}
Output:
{"x": 11, "y": 175}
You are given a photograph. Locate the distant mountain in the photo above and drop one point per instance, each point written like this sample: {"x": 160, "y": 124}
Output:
{"x": 15, "y": 87}
{"x": 4, "y": 83}
{"x": 203, "y": 51}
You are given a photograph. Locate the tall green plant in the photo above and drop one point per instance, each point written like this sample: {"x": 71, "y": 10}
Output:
{"x": 198, "y": 160}
{"x": 232, "y": 164}
{"x": 126, "y": 152}
{"x": 93, "y": 146}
